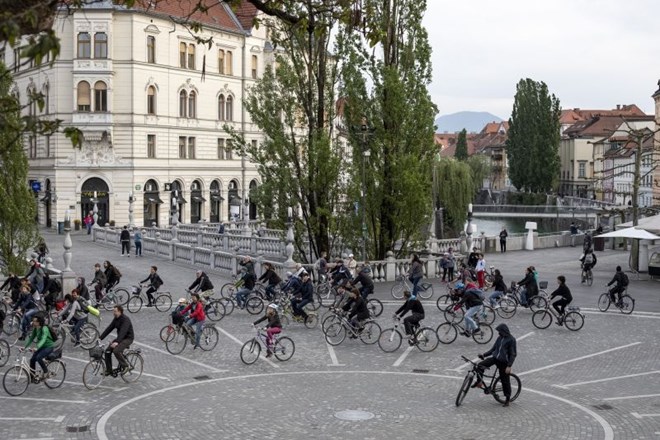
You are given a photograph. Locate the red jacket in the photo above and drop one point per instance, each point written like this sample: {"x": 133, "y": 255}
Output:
{"x": 197, "y": 312}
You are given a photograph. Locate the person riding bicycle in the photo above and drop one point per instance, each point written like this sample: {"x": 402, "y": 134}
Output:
{"x": 74, "y": 314}
{"x": 565, "y": 293}
{"x": 473, "y": 258}
{"x": 44, "y": 340}
{"x": 249, "y": 280}
{"x": 112, "y": 275}
{"x": 36, "y": 275}
{"x": 366, "y": 283}
{"x": 530, "y": 287}
{"x": 473, "y": 304}
{"x": 340, "y": 273}
{"x": 124, "y": 339}
{"x": 292, "y": 284}
{"x": 588, "y": 261}
{"x": 273, "y": 327}
{"x": 503, "y": 355}
{"x": 416, "y": 309}
{"x": 196, "y": 317}
{"x": 304, "y": 296}
{"x": 155, "y": 281}
{"x": 13, "y": 282}
{"x": 499, "y": 288}
{"x": 358, "y": 313}
{"x": 272, "y": 280}
{"x": 99, "y": 281}
{"x": 52, "y": 290}
{"x": 202, "y": 284}
{"x": 620, "y": 281}
{"x": 322, "y": 266}
{"x": 28, "y": 306}
{"x": 588, "y": 242}
{"x": 83, "y": 291}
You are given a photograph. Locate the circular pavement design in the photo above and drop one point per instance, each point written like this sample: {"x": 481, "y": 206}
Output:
{"x": 306, "y": 405}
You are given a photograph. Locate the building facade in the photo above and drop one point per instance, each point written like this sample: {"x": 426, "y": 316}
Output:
{"x": 152, "y": 105}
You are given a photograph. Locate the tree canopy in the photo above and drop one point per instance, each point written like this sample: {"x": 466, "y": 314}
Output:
{"x": 461, "y": 146}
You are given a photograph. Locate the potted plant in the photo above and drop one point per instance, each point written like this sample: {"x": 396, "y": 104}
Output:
{"x": 76, "y": 224}
{"x": 112, "y": 223}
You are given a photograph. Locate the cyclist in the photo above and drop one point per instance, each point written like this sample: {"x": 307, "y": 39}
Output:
{"x": 122, "y": 341}
{"x": 620, "y": 282}
{"x": 416, "y": 309}
{"x": 273, "y": 327}
{"x": 304, "y": 296}
{"x": 292, "y": 284}
{"x": 249, "y": 280}
{"x": 52, "y": 290}
{"x": 36, "y": 275}
{"x": 247, "y": 263}
{"x": 499, "y": 289}
{"x": 529, "y": 285}
{"x": 202, "y": 284}
{"x": 112, "y": 275}
{"x": 42, "y": 337}
{"x": 588, "y": 261}
{"x": 473, "y": 258}
{"x": 14, "y": 284}
{"x": 99, "y": 281}
{"x": 359, "y": 312}
{"x": 27, "y": 305}
{"x": 322, "y": 266}
{"x": 271, "y": 278}
{"x": 366, "y": 283}
{"x": 155, "y": 281}
{"x": 565, "y": 293}
{"x": 82, "y": 288}
{"x": 196, "y": 317}
{"x": 75, "y": 314}
{"x": 503, "y": 354}
{"x": 473, "y": 303}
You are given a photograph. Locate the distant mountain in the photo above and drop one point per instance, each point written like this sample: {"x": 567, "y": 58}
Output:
{"x": 471, "y": 121}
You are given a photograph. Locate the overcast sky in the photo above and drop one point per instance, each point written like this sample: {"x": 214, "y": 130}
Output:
{"x": 590, "y": 53}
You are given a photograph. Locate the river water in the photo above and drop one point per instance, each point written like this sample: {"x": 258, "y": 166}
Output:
{"x": 492, "y": 226}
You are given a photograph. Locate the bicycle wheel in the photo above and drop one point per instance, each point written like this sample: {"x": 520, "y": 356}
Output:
{"x": 88, "y": 336}
{"x": 627, "y": 304}
{"x": 136, "y": 364}
{"x": 5, "y": 352}
{"x": 507, "y": 308}
{"x": 538, "y": 303}
{"x": 163, "y": 302}
{"x": 228, "y": 290}
{"x": 397, "y": 290}
{"x": 542, "y": 319}
{"x": 465, "y": 387}
{"x": 56, "y": 374}
{"x": 134, "y": 304}
{"x": 215, "y": 310}
{"x": 107, "y": 303}
{"x": 443, "y": 302}
{"x": 390, "y": 340}
{"x": 370, "y": 333}
{"x": 498, "y": 392}
{"x": 485, "y": 335}
{"x": 284, "y": 348}
{"x": 316, "y": 302}
{"x": 228, "y": 304}
{"x": 425, "y": 290}
{"x": 328, "y": 321}
{"x": 16, "y": 380}
{"x": 486, "y": 315}
{"x": 121, "y": 296}
{"x": 254, "y": 305}
{"x": 250, "y": 351}
{"x": 322, "y": 290}
{"x": 427, "y": 339}
{"x": 178, "y": 342}
{"x": 446, "y": 332}
{"x": 335, "y": 334}
{"x": 312, "y": 320}
{"x": 93, "y": 374}
{"x": 12, "y": 324}
{"x": 209, "y": 338}
{"x": 590, "y": 278}
{"x": 167, "y": 333}
{"x": 455, "y": 316}
{"x": 375, "y": 307}
{"x": 604, "y": 302}
{"x": 573, "y": 321}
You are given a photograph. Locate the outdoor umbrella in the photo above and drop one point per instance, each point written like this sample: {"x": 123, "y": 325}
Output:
{"x": 640, "y": 234}
{"x": 651, "y": 224}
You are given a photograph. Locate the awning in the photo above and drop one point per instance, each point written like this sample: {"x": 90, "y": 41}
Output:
{"x": 152, "y": 199}
{"x": 198, "y": 198}
{"x": 217, "y": 198}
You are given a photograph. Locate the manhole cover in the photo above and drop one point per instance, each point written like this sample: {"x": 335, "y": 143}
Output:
{"x": 604, "y": 407}
{"x": 354, "y": 415}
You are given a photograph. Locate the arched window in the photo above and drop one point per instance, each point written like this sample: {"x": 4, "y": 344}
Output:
{"x": 151, "y": 49}
{"x": 183, "y": 103}
{"x": 191, "y": 56}
{"x": 100, "y": 97}
{"x": 229, "y": 113}
{"x": 192, "y": 105}
{"x": 84, "y": 99}
{"x": 221, "y": 61}
{"x": 100, "y": 45}
{"x": 182, "y": 55}
{"x": 84, "y": 45}
{"x": 221, "y": 108}
{"x": 151, "y": 100}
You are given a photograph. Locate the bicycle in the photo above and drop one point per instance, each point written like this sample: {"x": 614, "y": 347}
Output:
{"x": 176, "y": 342}
{"x": 509, "y": 302}
{"x": 424, "y": 290}
{"x": 573, "y": 319}
{"x": 486, "y": 314}
{"x": 114, "y": 296}
{"x": 89, "y": 334}
{"x": 626, "y": 304}
{"x": 494, "y": 388}
{"x": 5, "y": 352}
{"x": 448, "y": 332}
{"x": 162, "y": 300}
{"x": 215, "y": 308}
{"x": 283, "y": 347}
{"x": 336, "y": 332}
{"x": 284, "y": 302}
{"x": 17, "y": 379}
{"x": 587, "y": 276}
{"x": 424, "y": 338}
{"x": 94, "y": 371}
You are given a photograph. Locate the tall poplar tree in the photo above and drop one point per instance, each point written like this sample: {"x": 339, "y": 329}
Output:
{"x": 532, "y": 147}
{"x": 461, "y": 146}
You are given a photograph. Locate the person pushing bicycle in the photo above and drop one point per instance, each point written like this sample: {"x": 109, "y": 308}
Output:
{"x": 502, "y": 355}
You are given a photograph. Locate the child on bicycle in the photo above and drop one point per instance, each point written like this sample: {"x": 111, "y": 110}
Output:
{"x": 177, "y": 317}
{"x": 273, "y": 327}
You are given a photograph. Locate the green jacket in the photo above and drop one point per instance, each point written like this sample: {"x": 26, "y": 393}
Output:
{"x": 41, "y": 336}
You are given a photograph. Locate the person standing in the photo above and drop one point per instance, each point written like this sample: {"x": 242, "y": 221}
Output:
{"x": 89, "y": 222}
{"x": 480, "y": 268}
{"x": 124, "y": 339}
{"x": 503, "y": 355}
{"x": 416, "y": 273}
{"x": 451, "y": 264}
{"x": 503, "y": 235}
{"x": 574, "y": 232}
{"x": 322, "y": 267}
{"x": 137, "y": 239}
{"x": 125, "y": 238}
{"x": 352, "y": 265}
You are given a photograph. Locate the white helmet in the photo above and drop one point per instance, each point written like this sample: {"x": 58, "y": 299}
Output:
{"x": 273, "y": 306}
{"x": 183, "y": 301}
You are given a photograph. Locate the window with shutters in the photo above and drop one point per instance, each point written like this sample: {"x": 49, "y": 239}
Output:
{"x": 84, "y": 98}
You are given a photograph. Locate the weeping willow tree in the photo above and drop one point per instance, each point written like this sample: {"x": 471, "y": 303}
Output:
{"x": 454, "y": 189}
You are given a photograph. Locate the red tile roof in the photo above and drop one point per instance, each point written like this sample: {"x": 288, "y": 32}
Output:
{"x": 571, "y": 116}
{"x": 245, "y": 13}
{"x": 489, "y": 137}
{"x": 598, "y": 126}
{"x": 218, "y": 14}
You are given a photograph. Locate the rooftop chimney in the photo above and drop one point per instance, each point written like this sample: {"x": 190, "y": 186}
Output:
{"x": 618, "y": 106}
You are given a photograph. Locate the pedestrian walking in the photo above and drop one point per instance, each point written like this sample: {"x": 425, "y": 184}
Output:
{"x": 125, "y": 238}
{"x": 503, "y": 235}
{"x": 89, "y": 222}
{"x": 137, "y": 239}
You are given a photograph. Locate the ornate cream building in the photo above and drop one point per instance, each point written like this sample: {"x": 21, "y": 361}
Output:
{"x": 151, "y": 103}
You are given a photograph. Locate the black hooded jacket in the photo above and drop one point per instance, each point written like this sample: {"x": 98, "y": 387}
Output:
{"x": 504, "y": 349}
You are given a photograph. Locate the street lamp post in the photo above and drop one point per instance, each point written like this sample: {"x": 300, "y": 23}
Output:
{"x": 365, "y": 157}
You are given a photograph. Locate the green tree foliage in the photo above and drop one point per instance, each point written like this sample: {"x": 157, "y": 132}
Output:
{"x": 532, "y": 147}
{"x": 480, "y": 169}
{"x": 18, "y": 232}
{"x": 385, "y": 76}
{"x": 461, "y": 146}
{"x": 455, "y": 189}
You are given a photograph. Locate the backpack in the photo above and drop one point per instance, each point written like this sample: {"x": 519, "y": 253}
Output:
{"x": 589, "y": 259}
{"x": 53, "y": 333}
{"x": 117, "y": 273}
{"x": 624, "y": 280}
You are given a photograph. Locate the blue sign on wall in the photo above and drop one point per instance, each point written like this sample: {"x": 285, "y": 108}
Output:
{"x": 35, "y": 185}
